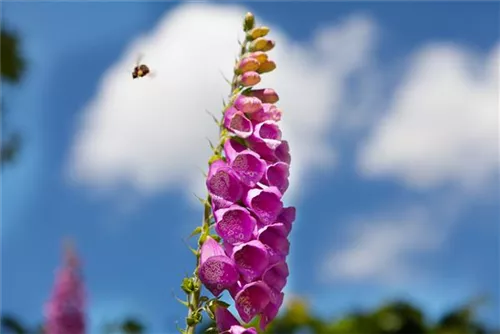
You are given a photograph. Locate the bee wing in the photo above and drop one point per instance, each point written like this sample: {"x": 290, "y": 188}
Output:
{"x": 139, "y": 59}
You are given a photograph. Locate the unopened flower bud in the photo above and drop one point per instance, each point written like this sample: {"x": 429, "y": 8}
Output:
{"x": 247, "y": 104}
{"x": 266, "y": 95}
{"x": 259, "y": 55}
{"x": 247, "y": 64}
{"x": 249, "y": 22}
{"x": 262, "y": 44}
{"x": 249, "y": 79}
{"x": 269, "y": 46}
{"x": 266, "y": 66}
{"x": 258, "y": 32}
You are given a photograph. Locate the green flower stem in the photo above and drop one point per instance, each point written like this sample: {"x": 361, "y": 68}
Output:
{"x": 193, "y": 298}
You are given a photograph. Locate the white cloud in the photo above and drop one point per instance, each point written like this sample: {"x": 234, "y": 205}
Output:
{"x": 150, "y": 133}
{"x": 379, "y": 248}
{"x": 442, "y": 124}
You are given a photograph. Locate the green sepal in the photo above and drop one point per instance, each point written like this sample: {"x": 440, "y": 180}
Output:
{"x": 212, "y": 330}
{"x": 246, "y": 90}
{"x": 214, "y": 158}
{"x": 216, "y": 237}
{"x": 202, "y": 239}
{"x": 213, "y": 303}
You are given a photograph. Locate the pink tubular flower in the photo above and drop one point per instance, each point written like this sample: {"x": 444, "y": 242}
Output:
{"x": 268, "y": 112}
{"x": 234, "y": 224}
{"x": 246, "y": 187}
{"x": 236, "y": 122}
{"x": 268, "y": 133}
{"x": 247, "y": 104}
{"x": 217, "y": 271}
{"x": 267, "y": 95}
{"x": 223, "y": 182}
{"x": 227, "y": 323}
{"x": 65, "y": 310}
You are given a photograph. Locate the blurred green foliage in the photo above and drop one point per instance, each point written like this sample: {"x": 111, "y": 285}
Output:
{"x": 12, "y": 67}
{"x": 397, "y": 317}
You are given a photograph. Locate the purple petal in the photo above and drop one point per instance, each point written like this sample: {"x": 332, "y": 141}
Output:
{"x": 266, "y": 95}
{"x": 210, "y": 248}
{"x": 262, "y": 150}
{"x": 236, "y": 329}
{"x": 249, "y": 167}
{"x": 232, "y": 147}
{"x": 252, "y": 299}
{"x": 251, "y": 259}
{"x": 268, "y": 112}
{"x": 227, "y": 323}
{"x": 217, "y": 271}
{"x": 247, "y": 104}
{"x": 274, "y": 236}
{"x": 287, "y": 217}
{"x": 236, "y": 122}
{"x": 223, "y": 182}
{"x": 265, "y": 204}
{"x": 271, "y": 311}
{"x": 277, "y": 175}
{"x": 228, "y": 248}
{"x": 269, "y": 133}
{"x": 276, "y": 275}
{"x": 224, "y": 319}
{"x": 282, "y": 152}
{"x": 220, "y": 203}
{"x": 234, "y": 224}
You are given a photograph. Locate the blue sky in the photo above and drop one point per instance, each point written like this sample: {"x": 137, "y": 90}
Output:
{"x": 390, "y": 109}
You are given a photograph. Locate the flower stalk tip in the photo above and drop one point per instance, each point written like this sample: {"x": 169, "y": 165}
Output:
{"x": 248, "y": 22}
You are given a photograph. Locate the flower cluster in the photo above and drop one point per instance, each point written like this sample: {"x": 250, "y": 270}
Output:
{"x": 246, "y": 181}
{"x": 65, "y": 310}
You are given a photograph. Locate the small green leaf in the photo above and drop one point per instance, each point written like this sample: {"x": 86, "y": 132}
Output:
{"x": 194, "y": 251}
{"x": 212, "y": 147}
{"x": 183, "y": 302}
{"x": 196, "y": 231}
{"x": 213, "y": 117}
{"x": 225, "y": 78}
{"x": 199, "y": 198}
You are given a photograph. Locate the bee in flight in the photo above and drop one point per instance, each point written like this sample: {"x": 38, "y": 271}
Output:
{"x": 140, "y": 70}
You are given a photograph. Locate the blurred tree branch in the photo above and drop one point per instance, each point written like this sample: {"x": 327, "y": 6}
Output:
{"x": 12, "y": 67}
